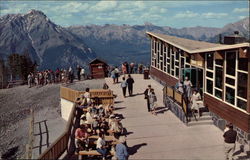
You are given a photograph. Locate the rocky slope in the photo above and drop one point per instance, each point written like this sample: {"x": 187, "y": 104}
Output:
{"x": 49, "y": 44}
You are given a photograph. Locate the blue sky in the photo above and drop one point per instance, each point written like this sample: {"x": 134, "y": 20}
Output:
{"x": 176, "y": 14}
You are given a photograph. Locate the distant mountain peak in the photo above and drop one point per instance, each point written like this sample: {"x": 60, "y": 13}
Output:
{"x": 36, "y": 12}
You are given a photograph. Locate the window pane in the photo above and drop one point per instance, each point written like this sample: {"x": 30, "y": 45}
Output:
{"x": 243, "y": 64}
{"x": 219, "y": 62}
{"x": 187, "y": 66}
{"x": 164, "y": 59}
{"x": 172, "y": 59}
{"x": 168, "y": 69}
{"x": 241, "y": 104}
{"x": 242, "y": 85}
{"x": 168, "y": 60}
{"x": 209, "y": 87}
{"x": 177, "y": 72}
{"x": 218, "y": 77}
{"x": 177, "y": 56}
{"x": 168, "y": 53}
{"x": 152, "y": 42}
{"x": 218, "y": 93}
{"x": 230, "y": 95}
{"x": 230, "y": 57}
{"x": 182, "y": 62}
{"x": 210, "y": 61}
{"x": 177, "y": 63}
{"x": 172, "y": 72}
{"x": 187, "y": 59}
{"x": 230, "y": 81}
{"x": 210, "y": 74}
{"x": 161, "y": 66}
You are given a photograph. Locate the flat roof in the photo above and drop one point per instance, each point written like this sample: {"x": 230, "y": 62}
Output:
{"x": 192, "y": 46}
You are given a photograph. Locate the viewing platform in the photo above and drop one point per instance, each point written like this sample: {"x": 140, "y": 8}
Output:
{"x": 161, "y": 136}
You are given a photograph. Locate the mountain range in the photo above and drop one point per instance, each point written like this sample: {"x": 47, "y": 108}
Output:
{"x": 54, "y": 46}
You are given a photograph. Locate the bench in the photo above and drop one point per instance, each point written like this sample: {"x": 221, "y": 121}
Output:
{"x": 91, "y": 153}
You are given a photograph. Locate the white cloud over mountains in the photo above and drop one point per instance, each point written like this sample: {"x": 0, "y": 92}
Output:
{"x": 162, "y": 13}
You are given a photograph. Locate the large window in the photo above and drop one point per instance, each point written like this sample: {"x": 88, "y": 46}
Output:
{"x": 210, "y": 74}
{"x": 210, "y": 61}
{"x": 231, "y": 62}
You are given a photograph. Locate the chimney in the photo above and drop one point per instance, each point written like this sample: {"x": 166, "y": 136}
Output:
{"x": 234, "y": 39}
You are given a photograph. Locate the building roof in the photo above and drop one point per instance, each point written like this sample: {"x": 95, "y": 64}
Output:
{"x": 97, "y": 60}
{"x": 192, "y": 46}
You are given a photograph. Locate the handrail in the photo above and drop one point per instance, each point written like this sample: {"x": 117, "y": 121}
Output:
{"x": 60, "y": 145}
{"x": 177, "y": 97}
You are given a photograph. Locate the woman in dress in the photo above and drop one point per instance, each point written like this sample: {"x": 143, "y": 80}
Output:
{"x": 152, "y": 101}
{"x": 194, "y": 99}
{"x": 188, "y": 85}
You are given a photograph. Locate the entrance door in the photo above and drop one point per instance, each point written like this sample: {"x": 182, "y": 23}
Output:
{"x": 196, "y": 77}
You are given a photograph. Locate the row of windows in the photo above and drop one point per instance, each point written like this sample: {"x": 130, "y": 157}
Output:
{"x": 165, "y": 58}
{"x": 227, "y": 79}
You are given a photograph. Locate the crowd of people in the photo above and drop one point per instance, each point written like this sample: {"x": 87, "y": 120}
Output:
{"x": 41, "y": 78}
{"x": 100, "y": 120}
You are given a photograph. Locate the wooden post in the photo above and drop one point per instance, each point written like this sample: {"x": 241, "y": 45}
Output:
{"x": 248, "y": 83}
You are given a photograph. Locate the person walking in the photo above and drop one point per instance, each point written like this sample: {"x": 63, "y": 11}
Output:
{"x": 152, "y": 101}
{"x": 78, "y": 72}
{"x": 117, "y": 74}
{"x": 83, "y": 73}
{"x": 130, "y": 81}
{"x": 124, "y": 85}
{"x": 229, "y": 139}
{"x": 146, "y": 94}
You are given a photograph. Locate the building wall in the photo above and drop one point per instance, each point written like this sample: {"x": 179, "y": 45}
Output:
{"x": 66, "y": 107}
{"x": 163, "y": 77}
{"x": 227, "y": 112}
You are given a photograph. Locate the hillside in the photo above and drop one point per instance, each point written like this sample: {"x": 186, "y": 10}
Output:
{"x": 48, "y": 44}
{"x": 54, "y": 46}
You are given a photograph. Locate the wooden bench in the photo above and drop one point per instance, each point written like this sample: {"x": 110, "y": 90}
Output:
{"x": 91, "y": 153}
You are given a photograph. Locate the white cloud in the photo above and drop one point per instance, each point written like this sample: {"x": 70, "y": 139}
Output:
{"x": 242, "y": 17}
{"x": 187, "y": 14}
{"x": 240, "y": 10}
{"x": 71, "y": 7}
{"x": 214, "y": 15}
{"x": 103, "y": 6}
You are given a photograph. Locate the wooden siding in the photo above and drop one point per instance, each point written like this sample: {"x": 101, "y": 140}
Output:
{"x": 170, "y": 81}
{"x": 227, "y": 112}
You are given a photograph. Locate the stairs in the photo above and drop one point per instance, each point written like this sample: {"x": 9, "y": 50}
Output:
{"x": 205, "y": 119}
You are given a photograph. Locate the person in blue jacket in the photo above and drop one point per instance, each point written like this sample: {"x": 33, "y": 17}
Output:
{"x": 121, "y": 149}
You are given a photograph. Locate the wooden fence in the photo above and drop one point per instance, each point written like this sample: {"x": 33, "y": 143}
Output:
{"x": 105, "y": 96}
{"x": 176, "y": 96}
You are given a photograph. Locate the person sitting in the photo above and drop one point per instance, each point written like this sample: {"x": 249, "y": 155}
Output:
{"x": 121, "y": 149}
{"x": 89, "y": 118}
{"x": 116, "y": 128}
{"x": 104, "y": 126}
{"x": 101, "y": 111}
{"x": 81, "y": 138}
{"x": 101, "y": 146}
{"x": 95, "y": 124}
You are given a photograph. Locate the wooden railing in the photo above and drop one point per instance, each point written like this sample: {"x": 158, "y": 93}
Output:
{"x": 105, "y": 96}
{"x": 177, "y": 96}
{"x": 63, "y": 143}
{"x": 60, "y": 145}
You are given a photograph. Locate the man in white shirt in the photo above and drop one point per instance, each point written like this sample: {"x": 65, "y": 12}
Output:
{"x": 101, "y": 146}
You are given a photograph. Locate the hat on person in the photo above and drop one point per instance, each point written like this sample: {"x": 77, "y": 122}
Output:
{"x": 117, "y": 118}
{"x": 122, "y": 139}
{"x": 95, "y": 116}
{"x": 100, "y": 106}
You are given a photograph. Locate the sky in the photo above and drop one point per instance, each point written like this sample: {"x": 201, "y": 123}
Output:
{"x": 177, "y": 14}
